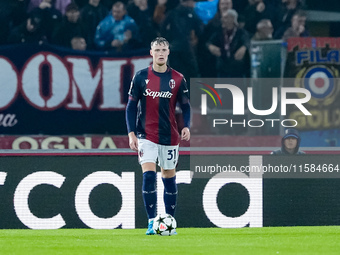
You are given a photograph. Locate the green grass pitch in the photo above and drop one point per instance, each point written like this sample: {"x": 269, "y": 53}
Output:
{"x": 268, "y": 240}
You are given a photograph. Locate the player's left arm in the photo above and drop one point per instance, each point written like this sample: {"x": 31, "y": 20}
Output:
{"x": 183, "y": 99}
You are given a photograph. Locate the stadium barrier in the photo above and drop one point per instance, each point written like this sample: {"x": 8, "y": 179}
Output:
{"x": 102, "y": 190}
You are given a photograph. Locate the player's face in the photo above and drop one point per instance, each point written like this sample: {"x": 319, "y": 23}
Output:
{"x": 160, "y": 53}
{"x": 290, "y": 143}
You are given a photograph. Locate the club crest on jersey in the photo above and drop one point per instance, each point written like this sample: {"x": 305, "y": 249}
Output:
{"x": 172, "y": 83}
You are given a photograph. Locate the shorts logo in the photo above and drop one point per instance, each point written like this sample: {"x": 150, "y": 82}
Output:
{"x": 141, "y": 153}
{"x": 172, "y": 83}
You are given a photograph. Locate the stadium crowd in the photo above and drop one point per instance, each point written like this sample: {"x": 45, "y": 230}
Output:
{"x": 199, "y": 32}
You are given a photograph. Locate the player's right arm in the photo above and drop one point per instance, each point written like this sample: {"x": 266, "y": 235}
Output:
{"x": 131, "y": 113}
{"x": 131, "y": 117}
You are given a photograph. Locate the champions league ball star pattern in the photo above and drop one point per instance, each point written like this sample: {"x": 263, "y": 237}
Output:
{"x": 165, "y": 225}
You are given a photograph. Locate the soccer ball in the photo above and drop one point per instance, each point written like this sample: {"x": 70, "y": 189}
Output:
{"x": 164, "y": 224}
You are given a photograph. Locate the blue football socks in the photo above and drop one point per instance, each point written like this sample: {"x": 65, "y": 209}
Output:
{"x": 170, "y": 194}
{"x": 150, "y": 193}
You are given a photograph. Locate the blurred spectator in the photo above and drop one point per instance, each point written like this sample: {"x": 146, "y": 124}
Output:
{"x": 78, "y": 43}
{"x": 223, "y": 6}
{"x": 159, "y": 13}
{"x": 81, "y": 3}
{"x": 60, "y": 5}
{"x": 33, "y": 4}
{"x": 240, "y": 5}
{"x": 284, "y": 17}
{"x": 182, "y": 28}
{"x": 107, "y": 3}
{"x": 12, "y": 14}
{"x": 254, "y": 12}
{"x": 214, "y": 25}
{"x": 50, "y": 17}
{"x": 69, "y": 28}
{"x": 264, "y": 30}
{"x": 91, "y": 14}
{"x": 19, "y": 11}
{"x": 241, "y": 21}
{"x": 5, "y": 15}
{"x": 141, "y": 13}
{"x": 28, "y": 32}
{"x": 230, "y": 45}
{"x": 290, "y": 143}
{"x": 298, "y": 27}
{"x": 161, "y": 10}
{"x": 117, "y": 31}
{"x": 206, "y": 10}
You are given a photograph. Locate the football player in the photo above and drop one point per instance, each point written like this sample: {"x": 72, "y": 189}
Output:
{"x": 152, "y": 127}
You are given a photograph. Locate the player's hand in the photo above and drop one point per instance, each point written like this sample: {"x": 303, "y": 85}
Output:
{"x": 185, "y": 134}
{"x": 133, "y": 141}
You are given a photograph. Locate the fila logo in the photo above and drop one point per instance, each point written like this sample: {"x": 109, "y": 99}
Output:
{"x": 147, "y": 81}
